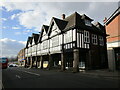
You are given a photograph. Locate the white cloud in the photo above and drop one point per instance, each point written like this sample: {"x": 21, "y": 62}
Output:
{"x": 14, "y": 16}
{"x": 4, "y": 27}
{"x": 24, "y": 6}
{"x": 3, "y": 19}
{"x": 35, "y": 14}
{"x": 15, "y": 27}
{"x": 11, "y": 47}
{"x": 32, "y": 19}
{"x": 22, "y": 32}
{"x": 60, "y": 0}
{"x": 26, "y": 31}
{"x": 23, "y": 42}
{"x": 18, "y": 33}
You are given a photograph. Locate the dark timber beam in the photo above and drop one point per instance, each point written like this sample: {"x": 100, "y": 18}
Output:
{"x": 62, "y": 61}
{"x": 76, "y": 60}
{"x": 25, "y": 65}
{"x": 31, "y": 62}
{"x": 41, "y": 60}
{"x": 50, "y": 63}
{"x": 36, "y": 62}
{"x": 88, "y": 64}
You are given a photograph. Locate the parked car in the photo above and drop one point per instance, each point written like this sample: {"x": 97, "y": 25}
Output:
{"x": 13, "y": 65}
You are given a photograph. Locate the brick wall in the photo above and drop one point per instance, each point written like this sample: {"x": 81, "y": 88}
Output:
{"x": 113, "y": 30}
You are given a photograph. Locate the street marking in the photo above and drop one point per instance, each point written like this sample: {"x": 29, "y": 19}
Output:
{"x": 32, "y": 73}
{"x": 3, "y": 87}
{"x": 1, "y": 84}
{"x": 29, "y": 68}
{"x": 18, "y": 76}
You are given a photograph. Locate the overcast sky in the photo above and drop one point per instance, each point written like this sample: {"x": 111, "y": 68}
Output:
{"x": 21, "y": 19}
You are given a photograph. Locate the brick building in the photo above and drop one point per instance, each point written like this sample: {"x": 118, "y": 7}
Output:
{"x": 21, "y": 57}
{"x": 112, "y": 25}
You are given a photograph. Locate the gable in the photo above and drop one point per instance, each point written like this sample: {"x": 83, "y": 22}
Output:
{"x": 54, "y": 30}
{"x": 54, "y": 26}
{"x": 29, "y": 44}
{"x": 33, "y": 41}
{"x": 39, "y": 38}
{"x": 44, "y": 35}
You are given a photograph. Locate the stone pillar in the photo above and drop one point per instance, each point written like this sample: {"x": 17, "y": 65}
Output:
{"x": 88, "y": 63}
{"x": 62, "y": 61}
{"x": 31, "y": 62}
{"x": 76, "y": 60}
{"x": 50, "y": 63}
{"x": 57, "y": 62}
{"x": 36, "y": 62}
{"x": 71, "y": 63}
{"x": 41, "y": 62}
{"x": 111, "y": 59}
{"x": 25, "y": 62}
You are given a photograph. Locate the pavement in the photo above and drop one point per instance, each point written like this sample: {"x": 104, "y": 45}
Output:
{"x": 103, "y": 73}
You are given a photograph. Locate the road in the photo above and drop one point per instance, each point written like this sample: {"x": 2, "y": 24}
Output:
{"x": 19, "y": 77}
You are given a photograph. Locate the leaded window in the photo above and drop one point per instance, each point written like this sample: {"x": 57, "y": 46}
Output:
{"x": 45, "y": 44}
{"x": 94, "y": 39}
{"x": 101, "y": 41}
{"x": 55, "y": 41}
{"x": 68, "y": 36}
{"x": 88, "y": 22}
{"x": 86, "y": 37}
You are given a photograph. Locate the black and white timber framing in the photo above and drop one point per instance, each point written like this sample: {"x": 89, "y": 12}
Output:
{"x": 74, "y": 41}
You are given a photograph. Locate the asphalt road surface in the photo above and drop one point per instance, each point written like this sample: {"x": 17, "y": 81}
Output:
{"x": 19, "y": 77}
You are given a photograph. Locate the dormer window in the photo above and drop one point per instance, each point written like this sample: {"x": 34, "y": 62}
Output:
{"x": 88, "y": 22}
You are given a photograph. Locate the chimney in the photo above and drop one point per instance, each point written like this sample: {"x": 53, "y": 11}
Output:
{"x": 105, "y": 19}
{"x": 63, "y": 16}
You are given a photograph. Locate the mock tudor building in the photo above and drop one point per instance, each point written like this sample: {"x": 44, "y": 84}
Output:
{"x": 71, "y": 42}
{"x": 31, "y": 50}
{"x": 112, "y": 25}
{"x": 28, "y": 52}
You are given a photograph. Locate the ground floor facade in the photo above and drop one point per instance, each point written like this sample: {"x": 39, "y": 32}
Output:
{"x": 74, "y": 59}
{"x": 113, "y": 50}
{"x": 114, "y": 58}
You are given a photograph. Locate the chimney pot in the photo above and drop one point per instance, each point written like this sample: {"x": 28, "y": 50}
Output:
{"x": 63, "y": 16}
{"x": 105, "y": 19}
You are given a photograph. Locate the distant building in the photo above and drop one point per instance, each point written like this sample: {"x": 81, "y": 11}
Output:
{"x": 112, "y": 25}
{"x": 71, "y": 42}
{"x": 21, "y": 57}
